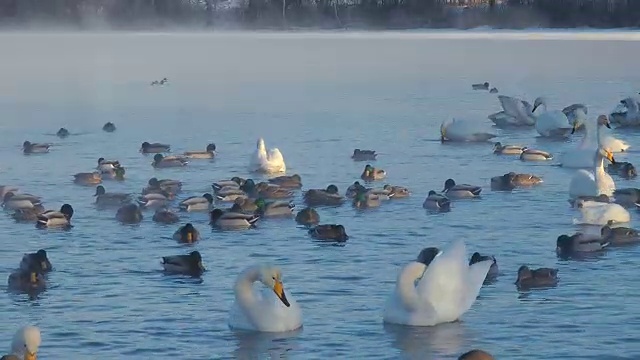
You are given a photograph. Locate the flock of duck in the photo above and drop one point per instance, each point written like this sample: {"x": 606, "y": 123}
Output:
{"x": 438, "y": 287}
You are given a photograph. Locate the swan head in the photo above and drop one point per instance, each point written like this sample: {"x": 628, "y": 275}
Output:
{"x": 26, "y": 342}
{"x": 450, "y": 183}
{"x": 604, "y": 120}
{"x": 607, "y": 154}
{"x": 271, "y": 277}
{"x": 540, "y": 101}
{"x": 427, "y": 255}
{"x": 260, "y": 144}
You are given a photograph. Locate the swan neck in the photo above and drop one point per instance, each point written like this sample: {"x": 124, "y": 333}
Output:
{"x": 244, "y": 285}
{"x": 406, "y": 285}
{"x": 599, "y": 168}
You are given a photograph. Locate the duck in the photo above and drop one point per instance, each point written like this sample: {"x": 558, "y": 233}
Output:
{"x": 109, "y": 127}
{"x": 208, "y": 153}
{"x": 551, "y": 123}
{"x": 530, "y": 278}
{"x": 308, "y": 216}
{"x": 494, "y": 90}
{"x": 596, "y": 182}
{"x": 62, "y": 133}
{"x": 4, "y": 189}
{"x": 103, "y": 198}
{"x": 187, "y": 234}
{"x": 460, "y": 191}
{"x": 26, "y": 281}
{"x": 597, "y": 213}
{"x": 371, "y": 174}
{"x": 619, "y": 235}
{"x": 129, "y": 214}
{"x": 230, "y": 194}
{"x": 231, "y": 220}
{"x": 476, "y": 257}
{"x": 511, "y": 180}
{"x": 535, "y": 155}
{"x": 116, "y": 174}
{"x": 25, "y": 344}
{"x": 627, "y": 196}
{"x": 153, "y": 201}
{"x": 427, "y": 255}
{"x": 190, "y": 264}
{"x": 323, "y": 197}
{"x": 28, "y": 215}
{"x": 579, "y": 243}
{"x": 87, "y": 179}
{"x": 354, "y": 189}
{"x": 37, "y": 261}
{"x": 107, "y": 166}
{"x": 165, "y": 216}
{"x": 364, "y": 155}
{"x": 150, "y": 148}
{"x": 268, "y": 163}
{"x": 463, "y": 131}
{"x": 624, "y": 169}
{"x": 12, "y": 201}
{"x": 435, "y": 201}
{"x": 366, "y": 200}
{"x": 197, "y": 203}
{"x": 516, "y": 113}
{"x": 290, "y": 182}
{"x": 269, "y": 311}
{"x": 602, "y": 198}
{"x": 329, "y": 232}
{"x": 267, "y": 191}
{"x": 274, "y": 209}
{"x": 244, "y": 205}
{"x": 500, "y": 149}
{"x": 54, "y": 219}
{"x": 396, "y": 192}
{"x": 168, "y": 185}
{"x": 35, "y": 148}
{"x": 483, "y": 86}
{"x": 439, "y": 293}
{"x": 159, "y": 161}
{"x": 476, "y": 354}
{"x": 234, "y": 182}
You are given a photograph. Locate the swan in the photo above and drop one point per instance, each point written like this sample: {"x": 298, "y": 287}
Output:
{"x": 264, "y": 162}
{"x": 26, "y": 342}
{"x": 270, "y": 311}
{"x": 627, "y": 113}
{"x": 462, "y": 131}
{"x": 444, "y": 292}
{"x": 582, "y": 156}
{"x": 598, "y": 213}
{"x": 552, "y": 123}
{"x": 515, "y": 112}
{"x": 587, "y": 183}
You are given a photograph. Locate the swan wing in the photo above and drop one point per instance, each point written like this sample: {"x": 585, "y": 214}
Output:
{"x": 552, "y": 123}
{"x": 594, "y": 213}
{"x": 583, "y": 183}
{"x": 512, "y": 106}
{"x": 276, "y": 160}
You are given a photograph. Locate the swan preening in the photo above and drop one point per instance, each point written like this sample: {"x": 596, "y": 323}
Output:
{"x": 267, "y": 162}
{"x": 269, "y": 310}
{"x": 627, "y": 113}
{"x": 463, "y": 131}
{"x": 444, "y": 291}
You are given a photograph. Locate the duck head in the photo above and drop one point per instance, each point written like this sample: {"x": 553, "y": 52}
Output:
{"x": 450, "y": 183}
{"x": 211, "y": 147}
{"x": 272, "y": 278}
{"x": 26, "y": 144}
{"x": 497, "y": 146}
{"x": 249, "y": 186}
{"x": 41, "y": 256}
{"x": 629, "y": 170}
{"x": 157, "y": 158}
{"x": 196, "y": 259}
{"x": 215, "y": 215}
{"x": 477, "y": 257}
{"x": 332, "y": 189}
{"x": 524, "y": 273}
{"x": 341, "y": 232}
{"x": 431, "y": 192}
{"x": 188, "y": 233}
{"x": 67, "y": 210}
{"x": 100, "y": 190}
{"x": 119, "y": 173}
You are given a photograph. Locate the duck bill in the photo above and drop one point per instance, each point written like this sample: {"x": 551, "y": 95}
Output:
{"x": 30, "y": 356}
{"x": 189, "y": 237}
{"x": 279, "y": 291}
{"x": 43, "y": 265}
{"x": 33, "y": 278}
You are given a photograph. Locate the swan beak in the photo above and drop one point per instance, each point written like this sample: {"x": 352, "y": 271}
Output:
{"x": 608, "y": 124}
{"x": 534, "y": 108}
{"x": 610, "y": 157}
{"x": 574, "y": 127}
{"x": 279, "y": 290}
{"x": 30, "y": 356}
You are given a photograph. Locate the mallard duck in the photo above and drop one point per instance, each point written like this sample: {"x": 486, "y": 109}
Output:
{"x": 493, "y": 270}
{"x": 365, "y": 200}
{"x": 370, "y": 173}
{"x": 364, "y": 155}
{"x": 579, "y": 243}
{"x": 275, "y": 208}
{"x": 627, "y": 196}
{"x": 107, "y": 166}
{"x": 354, "y": 189}
{"x": 149, "y": 148}
{"x": 329, "y": 232}
{"x": 186, "y": 234}
{"x": 308, "y": 216}
{"x": 165, "y": 216}
{"x": 619, "y": 235}
{"x": 190, "y": 264}
{"x": 62, "y": 133}
{"x": 483, "y": 86}
{"x": 231, "y": 220}
{"x": 323, "y": 197}
{"x": 500, "y": 149}
{"x": 535, "y": 155}
{"x": 397, "y": 192}
{"x": 542, "y": 277}
{"x": 269, "y": 191}
{"x": 4, "y": 189}
{"x": 35, "y": 148}
{"x": 159, "y": 161}
{"x": 52, "y": 218}
{"x": 460, "y": 191}
{"x": 512, "y": 180}
{"x": 435, "y": 201}
{"x": 234, "y": 182}
{"x": 109, "y": 127}
{"x": 624, "y": 169}
{"x": 477, "y": 354}
{"x": 37, "y": 261}
{"x": 129, "y": 214}
{"x": 244, "y": 205}
{"x": 26, "y": 281}
{"x": 13, "y": 201}
{"x": 153, "y": 201}
{"x": 87, "y": 179}
{"x": 230, "y": 194}
{"x": 110, "y": 199}
{"x": 197, "y": 203}
{"x": 167, "y": 185}
{"x": 290, "y": 182}
{"x": 28, "y": 215}
{"x": 118, "y": 173}
{"x": 209, "y": 153}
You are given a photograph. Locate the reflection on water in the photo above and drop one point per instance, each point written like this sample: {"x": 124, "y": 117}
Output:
{"x": 254, "y": 345}
{"x": 424, "y": 342}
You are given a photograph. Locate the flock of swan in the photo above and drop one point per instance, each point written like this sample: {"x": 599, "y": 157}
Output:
{"x": 440, "y": 286}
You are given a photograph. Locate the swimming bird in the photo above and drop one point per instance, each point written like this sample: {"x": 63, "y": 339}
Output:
{"x": 103, "y": 198}
{"x": 551, "y": 123}
{"x": 542, "y": 277}
{"x": 534, "y": 155}
{"x": 476, "y": 355}
{"x": 595, "y": 182}
{"x": 262, "y": 311}
{"x": 35, "y": 148}
{"x": 578, "y": 201}
{"x": 129, "y": 214}
{"x": 439, "y": 293}
{"x": 28, "y": 215}
{"x": 364, "y": 155}
{"x": 266, "y": 190}
{"x": 165, "y": 185}
{"x": 500, "y": 149}
{"x": 208, "y": 153}
{"x": 483, "y": 86}
{"x": 107, "y": 166}
{"x": 12, "y": 201}
{"x": 234, "y": 182}
{"x": 149, "y": 148}
{"x": 460, "y": 191}
{"x": 230, "y": 194}
{"x": 165, "y": 216}
{"x": 619, "y": 235}
{"x": 323, "y": 197}
{"x": 109, "y": 127}
{"x": 624, "y": 169}
{"x": 159, "y": 161}
{"x": 62, "y": 133}
{"x": 26, "y": 281}
{"x": 371, "y": 174}
{"x": 463, "y": 131}
{"x": 25, "y": 343}
{"x": 269, "y": 163}
{"x": 435, "y": 201}
{"x": 627, "y": 114}
{"x": 87, "y": 179}
{"x": 187, "y": 234}
{"x": 274, "y": 209}
{"x": 365, "y": 200}
{"x": 308, "y": 216}
{"x": 153, "y": 201}
{"x": 396, "y": 192}
{"x": 197, "y": 203}
{"x": 244, "y": 205}
{"x": 4, "y": 189}
{"x": 597, "y": 213}
{"x": 627, "y": 196}
{"x": 594, "y": 137}
{"x": 329, "y": 232}
{"x": 37, "y": 261}
{"x": 579, "y": 243}
{"x": 494, "y": 90}
{"x": 354, "y": 189}
{"x": 290, "y": 182}
{"x": 231, "y": 220}
{"x": 427, "y": 255}
{"x": 190, "y": 264}
{"x": 516, "y": 113}
{"x": 493, "y": 270}
{"x": 55, "y": 219}
{"x": 511, "y": 180}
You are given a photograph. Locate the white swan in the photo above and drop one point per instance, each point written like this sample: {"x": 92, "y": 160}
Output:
{"x": 552, "y": 123}
{"x": 598, "y": 213}
{"x": 26, "y": 342}
{"x": 444, "y": 292}
{"x": 587, "y": 183}
{"x": 266, "y": 311}
{"x": 463, "y": 131}
{"x": 627, "y": 113}
{"x": 264, "y": 162}
{"x": 582, "y": 156}
{"x": 515, "y": 112}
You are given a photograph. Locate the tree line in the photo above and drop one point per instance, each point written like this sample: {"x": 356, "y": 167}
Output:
{"x": 327, "y": 14}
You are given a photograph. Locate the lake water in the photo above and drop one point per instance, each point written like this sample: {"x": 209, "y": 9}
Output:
{"x": 316, "y": 98}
